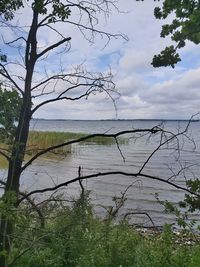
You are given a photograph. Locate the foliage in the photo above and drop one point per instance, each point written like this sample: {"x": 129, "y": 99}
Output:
{"x": 10, "y": 105}
{"x": 184, "y": 208}
{"x": 8, "y": 7}
{"x": 184, "y": 27}
{"x": 59, "y": 10}
{"x": 3, "y": 57}
{"x": 192, "y": 202}
{"x": 73, "y": 236}
{"x": 7, "y": 207}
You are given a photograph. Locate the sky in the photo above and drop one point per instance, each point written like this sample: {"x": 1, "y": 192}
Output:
{"x": 142, "y": 92}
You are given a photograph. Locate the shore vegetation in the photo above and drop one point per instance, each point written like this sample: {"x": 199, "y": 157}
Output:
{"x": 39, "y": 140}
{"x": 73, "y": 236}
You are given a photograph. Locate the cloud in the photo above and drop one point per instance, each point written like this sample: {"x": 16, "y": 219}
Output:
{"x": 135, "y": 60}
{"x": 146, "y": 92}
{"x": 183, "y": 89}
{"x": 175, "y": 98}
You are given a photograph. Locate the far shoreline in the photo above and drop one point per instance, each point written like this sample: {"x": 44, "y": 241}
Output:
{"x": 160, "y": 120}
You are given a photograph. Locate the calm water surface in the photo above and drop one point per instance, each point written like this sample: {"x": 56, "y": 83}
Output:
{"x": 95, "y": 158}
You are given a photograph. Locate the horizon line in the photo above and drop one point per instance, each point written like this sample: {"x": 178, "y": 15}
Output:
{"x": 151, "y": 119}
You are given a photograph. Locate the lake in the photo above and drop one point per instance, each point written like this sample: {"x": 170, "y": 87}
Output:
{"x": 94, "y": 158}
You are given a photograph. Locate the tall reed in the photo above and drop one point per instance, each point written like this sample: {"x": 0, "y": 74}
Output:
{"x": 39, "y": 140}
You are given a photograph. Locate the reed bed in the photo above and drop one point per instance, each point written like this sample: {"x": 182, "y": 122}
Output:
{"x": 42, "y": 140}
{"x": 39, "y": 140}
{"x": 3, "y": 163}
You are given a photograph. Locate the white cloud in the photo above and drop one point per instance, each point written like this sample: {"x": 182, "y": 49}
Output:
{"x": 135, "y": 60}
{"x": 145, "y": 92}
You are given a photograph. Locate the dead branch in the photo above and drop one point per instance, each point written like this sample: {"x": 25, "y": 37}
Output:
{"x": 4, "y": 155}
{"x": 6, "y": 75}
{"x": 139, "y": 213}
{"x": 92, "y": 89}
{"x": 119, "y": 203}
{"x": 167, "y": 140}
{"x": 51, "y": 47}
{"x": 80, "y": 182}
{"x": 101, "y": 174}
{"x": 152, "y": 131}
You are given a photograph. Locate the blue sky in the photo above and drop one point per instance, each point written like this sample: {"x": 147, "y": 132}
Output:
{"x": 145, "y": 92}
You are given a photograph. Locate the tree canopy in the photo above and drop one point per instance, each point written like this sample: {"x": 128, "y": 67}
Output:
{"x": 8, "y": 7}
{"x": 184, "y": 26}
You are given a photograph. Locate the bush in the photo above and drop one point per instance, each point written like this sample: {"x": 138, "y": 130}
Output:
{"x": 74, "y": 237}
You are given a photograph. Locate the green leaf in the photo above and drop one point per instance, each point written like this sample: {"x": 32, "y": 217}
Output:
{"x": 186, "y": 26}
{"x": 10, "y": 106}
{"x": 167, "y": 57}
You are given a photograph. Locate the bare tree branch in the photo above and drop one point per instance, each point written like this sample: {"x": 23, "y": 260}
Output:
{"x": 15, "y": 40}
{"x": 60, "y": 97}
{"x": 167, "y": 140}
{"x": 120, "y": 151}
{"x": 4, "y": 155}
{"x": 105, "y": 135}
{"x": 101, "y": 33}
{"x": 51, "y": 47}
{"x": 100, "y": 174}
{"x": 140, "y": 213}
{"x": 6, "y": 75}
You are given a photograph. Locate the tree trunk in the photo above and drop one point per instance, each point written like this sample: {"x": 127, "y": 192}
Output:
{"x": 19, "y": 146}
{"x": 13, "y": 181}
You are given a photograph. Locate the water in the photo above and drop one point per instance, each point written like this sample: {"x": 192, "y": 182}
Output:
{"x": 95, "y": 158}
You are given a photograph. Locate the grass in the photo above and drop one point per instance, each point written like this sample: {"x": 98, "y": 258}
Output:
{"x": 45, "y": 139}
{"x": 3, "y": 163}
{"x": 39, "y": 140}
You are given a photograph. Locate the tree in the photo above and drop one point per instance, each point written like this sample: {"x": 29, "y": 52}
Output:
{"x": 184, "y": 27}
{"x": 46, "y": 15}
